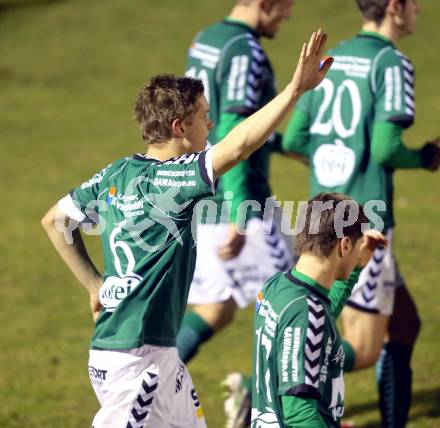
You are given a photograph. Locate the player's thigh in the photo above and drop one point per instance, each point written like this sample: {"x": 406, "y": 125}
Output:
{"x": 405, "y": 321}
{"x": 187, "y": 412}
{"x": 264, "y": 254}
{"x": 212, "y": 283}
{"x": 134, "y": 387}
{"x": 366, "y": 333}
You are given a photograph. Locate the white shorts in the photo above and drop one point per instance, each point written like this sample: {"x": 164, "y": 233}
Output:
{"x": 143, "y": 387}
{"x": 266, "y": 252}
{"x": 375, "y": 290}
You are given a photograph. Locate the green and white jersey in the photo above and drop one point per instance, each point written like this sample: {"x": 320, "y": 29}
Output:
{"x": 238, "y": 79}
{"x": 143, "y": 209}
{"x": 297, "y": 350}
{"x": 370, "y": 81}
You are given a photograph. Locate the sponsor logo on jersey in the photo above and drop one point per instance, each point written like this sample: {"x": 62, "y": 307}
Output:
{"x": 324, "y": 368}
{"x": 287, "y": 349}
{"x": 334, "y": 164}
{"x": 96, "y": 179}
{"x": 295, "y": 352}
{"x": 98, "y": 374}
{"x": 115, "y": 290}
{"x": 111, "y": 195}
{"x": 259, "y": 301}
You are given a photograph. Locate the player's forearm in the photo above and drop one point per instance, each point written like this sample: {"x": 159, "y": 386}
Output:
{"x": 388, "y": 149}
{"x": 74, "y": 255}
{"x": 340, "y": 292}
{"x": 253, "y": 132}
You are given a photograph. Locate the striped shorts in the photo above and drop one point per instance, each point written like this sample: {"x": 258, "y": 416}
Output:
{"x": 266, "y": 252}
{"x": 375, "y": 290}
{"x": 143, "y": 387}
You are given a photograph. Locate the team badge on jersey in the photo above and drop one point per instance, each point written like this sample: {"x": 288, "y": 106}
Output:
{"x": 111, "y": 195}
{"x": 259, "y": 301}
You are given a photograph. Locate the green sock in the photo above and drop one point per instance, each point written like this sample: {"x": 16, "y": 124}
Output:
{"x": 193, "y": 332}
{"x": 350, "y": 357}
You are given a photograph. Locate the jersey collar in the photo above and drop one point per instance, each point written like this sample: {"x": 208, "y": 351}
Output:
{"x": 377, "y": 36}
{"x": 299, "y": 278}
{"x": 141, "y": 157}
{"x": 237, "y": 23}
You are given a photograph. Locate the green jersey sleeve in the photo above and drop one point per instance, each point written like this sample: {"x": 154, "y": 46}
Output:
{"x": 243, "y": 74}
{"x": 81, "y": 204}
{"x": 392, "y": 82}
{"x": 341, "y": 291}
{"x": 297, "y": 135}
{"x": 301, "y": 344}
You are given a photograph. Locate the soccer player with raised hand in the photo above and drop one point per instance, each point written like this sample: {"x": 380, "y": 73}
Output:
{"x": 143, "y": 207}
{"x": 350, "y": 131}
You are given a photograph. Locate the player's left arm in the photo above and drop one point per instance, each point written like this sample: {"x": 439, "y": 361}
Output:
{"x": 341, "y": 290}
{"x": 392, "y": 81}
{"x": 388, "y": 149}
{"x": 74, "y": 255}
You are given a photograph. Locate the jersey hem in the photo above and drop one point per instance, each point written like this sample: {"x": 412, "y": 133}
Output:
{"x": 129, "y": 344}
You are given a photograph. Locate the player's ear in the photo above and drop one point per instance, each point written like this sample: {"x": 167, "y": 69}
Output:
{"x": 178, "y": 129}
{"x": 345, "y": 246}
{"x": 395, "y": 8}
{"x": 265, "y": 5}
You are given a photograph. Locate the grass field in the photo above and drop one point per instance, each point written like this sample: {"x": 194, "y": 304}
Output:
{"x": 69, "y": 73}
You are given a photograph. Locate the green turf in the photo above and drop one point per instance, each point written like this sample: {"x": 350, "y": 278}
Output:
{"x": 69, "y": 73}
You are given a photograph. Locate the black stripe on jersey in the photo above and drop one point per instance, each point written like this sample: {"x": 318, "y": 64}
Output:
{"x": 242, "y": 110}
{"x": 203, "y": 170}
{"x": 304, "y": 391}
{"x": 143, "y": 158}
{"x": 404, "y": 120}
{"x": 297, "y": 281}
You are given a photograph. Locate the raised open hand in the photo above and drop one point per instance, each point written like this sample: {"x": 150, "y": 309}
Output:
{"x": 309, "y": 73}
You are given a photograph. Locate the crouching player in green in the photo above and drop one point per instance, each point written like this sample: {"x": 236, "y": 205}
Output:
{"x": 298, "y": 354}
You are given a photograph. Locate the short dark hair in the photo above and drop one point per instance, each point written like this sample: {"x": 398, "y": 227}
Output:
{"x": 167, "y": 97}
{"x": 374, "y": 10}
{"x": 320, "y": 233}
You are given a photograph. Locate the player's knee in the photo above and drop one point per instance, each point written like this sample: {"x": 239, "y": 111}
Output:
{"x": 217, "y": 315}
{"x": 227, "y": 314}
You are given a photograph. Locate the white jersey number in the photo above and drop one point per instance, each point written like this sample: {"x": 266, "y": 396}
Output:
{"x": 116, "y": 288}
{"x": 335, "y": 122}
{"x": 203, "y": 76}
{"x": 263, "y": 340}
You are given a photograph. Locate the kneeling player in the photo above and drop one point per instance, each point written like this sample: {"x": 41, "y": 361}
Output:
{"x": 298, "y": 354}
